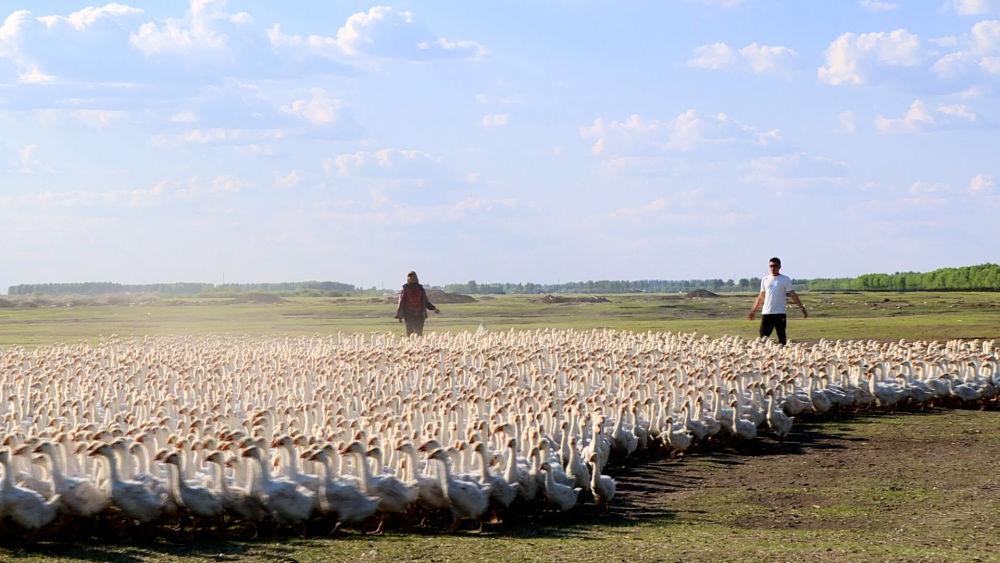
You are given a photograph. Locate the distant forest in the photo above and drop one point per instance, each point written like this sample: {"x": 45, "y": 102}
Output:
{"x": 984, "y": 277}
{"x": 181, "y": 288}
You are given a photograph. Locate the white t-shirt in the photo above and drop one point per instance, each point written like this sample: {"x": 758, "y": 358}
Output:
{"x": 776, "y": 290}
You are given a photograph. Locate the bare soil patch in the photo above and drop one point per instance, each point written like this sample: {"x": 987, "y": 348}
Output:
{"x": 562, "y": 299}
{"x": 700, "y": 293}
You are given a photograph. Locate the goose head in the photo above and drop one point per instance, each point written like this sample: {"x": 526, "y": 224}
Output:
{"x": 354, "y": 447}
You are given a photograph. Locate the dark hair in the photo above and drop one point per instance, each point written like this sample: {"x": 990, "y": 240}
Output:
{"x": 775, "y": 260}
{"x": 414, "y": 274}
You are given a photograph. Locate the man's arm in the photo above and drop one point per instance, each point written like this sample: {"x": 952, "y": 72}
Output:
{"x": 795, "y": 298}
{"x": 756, "y": 305}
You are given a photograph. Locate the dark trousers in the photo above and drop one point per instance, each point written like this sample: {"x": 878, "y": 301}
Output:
{"x": 414, "y": 324}
{"x": 773, "y": 322}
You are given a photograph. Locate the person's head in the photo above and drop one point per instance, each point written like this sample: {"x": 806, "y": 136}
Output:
{"x": 774, "y": 264}
{"x": 412, "y": 278}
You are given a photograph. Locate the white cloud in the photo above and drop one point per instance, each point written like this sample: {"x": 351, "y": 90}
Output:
{"x": 393, "y": 163}
{"x": 460, "y": 47}
{"x": 755, "y": 58}
{"x": 92, "y": 118}
{"x": 494, "y": 120}
{"x": 921, "y": 187}
{"x": 846, "y": 122}
{"x": 44, "y": 48}
{"x": 975, "y": 7}
{"x": 982, "y": 184}
{"x": 878, "y": 5}
{"x": 713, "y": 56}
{"x": 121, "y": 44}
{"x": 719, "y": 3}
{"x": 89, "y": 16}
{"x": 382, "y": 32}
{"x": 184, "y": 117}
{"x": 35, "y": 76}
{"x": 196, "y": 33}
{"x": 27, "y": 160}
{"x": 979, "y": 50}
{"x": 194, "y": 189}
{"x": 959, "y": 111}
{"x": 321, "y": 109}
{"x": 688, "y": 131}
{"x": 288, "y": 181}
{"x": 796, "y": 169}
{"x": 218, "y": 136}
{"x": 851, "y": 57}
{"x": 915, "y": 117}
{"x": 919, "y": 118}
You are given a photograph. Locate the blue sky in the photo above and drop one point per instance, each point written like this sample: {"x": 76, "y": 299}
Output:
{"x": 522, "y": 141}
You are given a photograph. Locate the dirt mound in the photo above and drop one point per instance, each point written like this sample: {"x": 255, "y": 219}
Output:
{"x": 557, "y": 299}
{"x": 258, "y": 298}
{"x": 437, "y": 296}
{"x": 701, "y": 293}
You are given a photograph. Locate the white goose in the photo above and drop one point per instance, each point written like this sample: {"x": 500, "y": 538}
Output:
{"x": 26, "y": 507}
{"x": 779, "y": 422}
{"x": 558, "y": 495}
{"x": 238, "y": 500}
{"x": 741, "y": 427}
{"x": 393, "y": 494}
{"x": 78, "y": 496}
{"x": 468, "y": 501}
{"x": 602, "y": 486}
{"x": 350, "y": 505}
{"x": 132, "y": 497}
{"x": 200, "y": 501}
{"x": 285, "y": 500}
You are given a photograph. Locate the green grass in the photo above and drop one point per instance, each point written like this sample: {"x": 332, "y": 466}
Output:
{"x": 863, "y": 315}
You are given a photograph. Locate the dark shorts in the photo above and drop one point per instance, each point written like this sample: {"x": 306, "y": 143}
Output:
{"x": 773, "y": 322}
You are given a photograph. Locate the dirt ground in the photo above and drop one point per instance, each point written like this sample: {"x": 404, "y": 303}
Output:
{"x": 916, "y": 486}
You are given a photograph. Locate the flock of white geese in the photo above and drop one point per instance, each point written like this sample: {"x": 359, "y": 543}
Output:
{"x": 214, "y": 431}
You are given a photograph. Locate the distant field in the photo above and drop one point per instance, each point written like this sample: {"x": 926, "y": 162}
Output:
{"x": 882, "y": 316}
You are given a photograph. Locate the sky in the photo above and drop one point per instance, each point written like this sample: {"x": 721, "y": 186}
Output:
{"x": 545, "y": 141}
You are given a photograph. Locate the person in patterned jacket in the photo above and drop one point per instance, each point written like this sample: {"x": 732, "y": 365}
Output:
{"x": 413, "y": 305}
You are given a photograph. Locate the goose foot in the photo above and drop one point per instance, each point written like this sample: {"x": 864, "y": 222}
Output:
{"x": 378, "y": 531}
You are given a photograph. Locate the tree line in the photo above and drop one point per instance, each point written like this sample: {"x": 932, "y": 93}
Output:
{"x": 983, "y": 277}
{"x": 606, "y": 286}
{"x": 180, "y": 288}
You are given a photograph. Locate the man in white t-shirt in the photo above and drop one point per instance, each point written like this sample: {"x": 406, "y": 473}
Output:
{"x": 775, "y": 288}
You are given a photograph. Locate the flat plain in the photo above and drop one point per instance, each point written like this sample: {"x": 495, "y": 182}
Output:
{"x": 908, "y": 486}
{"x": 880, "y": 316}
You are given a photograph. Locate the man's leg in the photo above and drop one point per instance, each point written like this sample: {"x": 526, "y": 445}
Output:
{"x": 766, "y": 326}
{"x": 780, "y": 322}
{"x": 419, "y": 325}
{"x": 411, "y": 324}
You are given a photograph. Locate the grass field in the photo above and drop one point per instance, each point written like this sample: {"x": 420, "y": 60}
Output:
{"x": 882, "y": 316}
{"x": 908, "y": 486}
